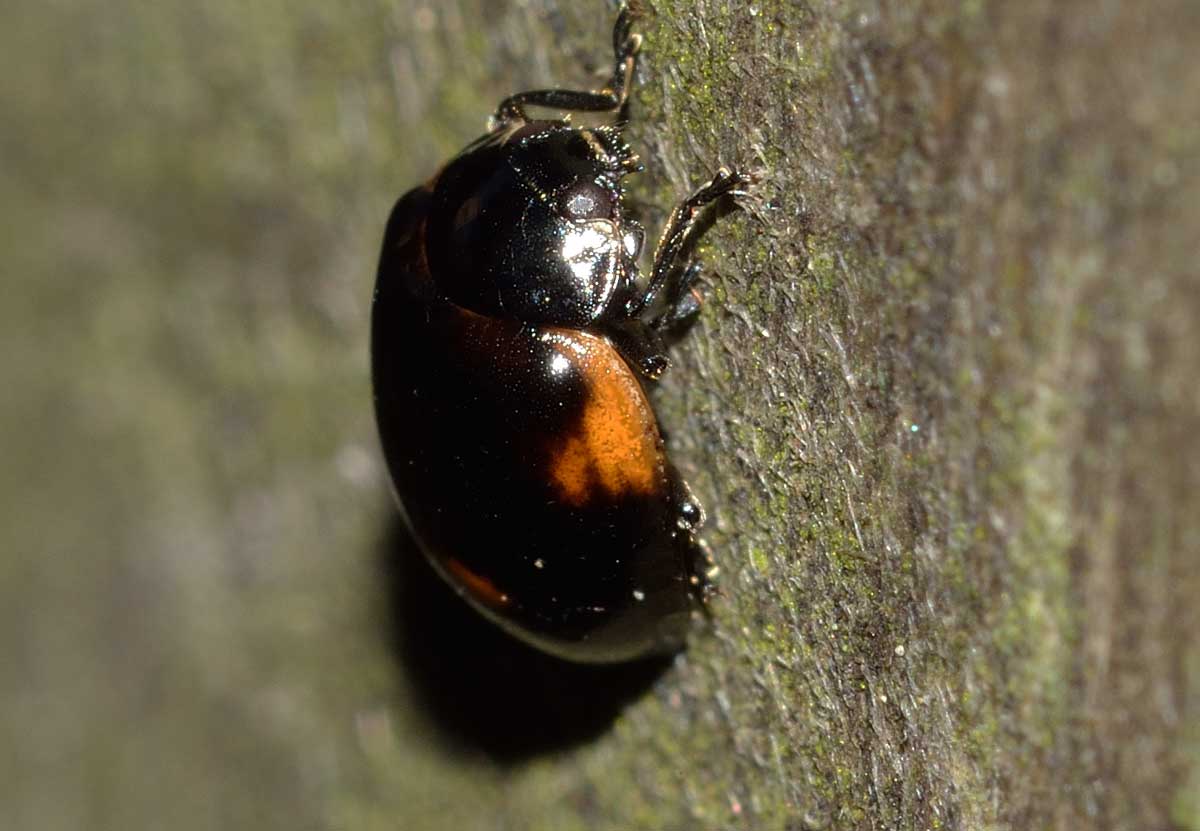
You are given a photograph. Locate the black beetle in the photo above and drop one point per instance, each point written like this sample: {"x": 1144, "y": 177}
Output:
{"x": 511, "y": 338}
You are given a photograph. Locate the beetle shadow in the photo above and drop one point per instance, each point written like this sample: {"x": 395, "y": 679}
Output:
{"x": 483, "y": 689}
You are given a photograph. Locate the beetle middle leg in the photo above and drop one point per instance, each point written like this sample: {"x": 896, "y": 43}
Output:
{"x": 614, "y": 95}
{"x": 644, "y": 344}
{"x": 640, "y": 344}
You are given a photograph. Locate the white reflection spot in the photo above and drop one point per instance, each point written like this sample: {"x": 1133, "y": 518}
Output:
{"x": 584, "y": 240}
{"x": 581, "y": 204}
{"x": 586, "y": 245}
{"x": 632, "y": 244}
{"x": 559, "y": 364}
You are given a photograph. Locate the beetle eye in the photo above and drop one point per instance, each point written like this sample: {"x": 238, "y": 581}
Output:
{"x": 587, "y": 202}
{"x": 581, "y": 204}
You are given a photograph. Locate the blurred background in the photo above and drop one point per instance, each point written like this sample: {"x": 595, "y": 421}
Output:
{"x": 196, "y": 629}
{"x": 209, "y": 618}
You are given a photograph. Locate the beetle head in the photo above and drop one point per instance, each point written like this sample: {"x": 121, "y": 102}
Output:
{"x": 529, "y": 225}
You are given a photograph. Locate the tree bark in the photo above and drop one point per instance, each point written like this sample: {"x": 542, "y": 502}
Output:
{"x": 940, "y": 407}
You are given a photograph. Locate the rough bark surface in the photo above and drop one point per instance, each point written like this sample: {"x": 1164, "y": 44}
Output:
{"x": 941, "y": 407}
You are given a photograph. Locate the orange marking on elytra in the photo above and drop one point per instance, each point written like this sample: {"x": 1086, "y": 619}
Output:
{"x": 616, "y": 448}
{"x": 480, "y": 587}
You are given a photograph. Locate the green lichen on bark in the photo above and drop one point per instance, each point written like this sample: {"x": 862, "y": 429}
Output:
{"x": 940, "y": 406}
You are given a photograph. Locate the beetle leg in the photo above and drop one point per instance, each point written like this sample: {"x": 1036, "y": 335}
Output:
{"x": 680, "y": 225}
{"x": 689, "y": 512}
{"x": 614, "y": 95}
{"x": 699, "y": 565}
{"x": 640, "y": 345}
{"x": 703, "y": 572}
{"x": 683, "y": 304}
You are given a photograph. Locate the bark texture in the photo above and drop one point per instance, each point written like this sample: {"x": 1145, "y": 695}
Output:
{"x": 941, "y": 407}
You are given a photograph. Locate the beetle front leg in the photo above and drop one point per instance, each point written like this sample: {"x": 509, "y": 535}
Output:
{"x": 683, "y": 304}
{"x": 614, "y": 95}
{"x": 680, "y": 226}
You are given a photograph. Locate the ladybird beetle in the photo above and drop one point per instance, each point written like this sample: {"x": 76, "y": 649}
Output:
{"x": 512, "y": 338}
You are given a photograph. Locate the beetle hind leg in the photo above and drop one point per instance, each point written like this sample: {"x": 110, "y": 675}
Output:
{"x": 613, "y": 96}
{"x": 699, "y": 565}
{"x": 703, "y": 572}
